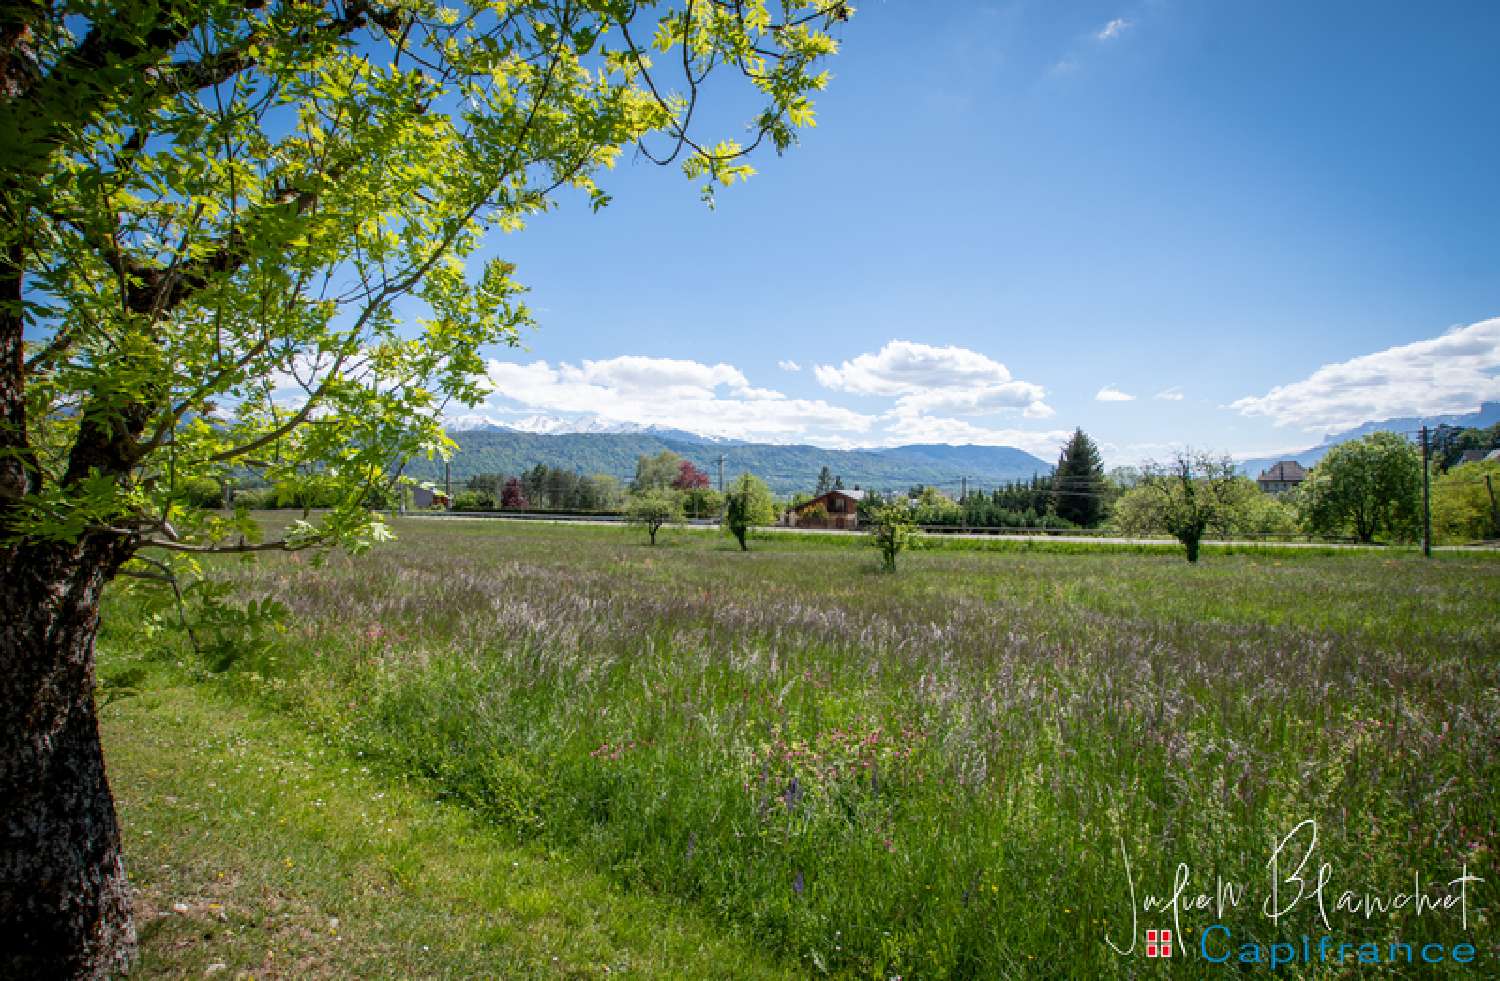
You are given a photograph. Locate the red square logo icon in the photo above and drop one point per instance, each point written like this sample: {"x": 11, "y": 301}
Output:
{"x": 1158, "y": 943}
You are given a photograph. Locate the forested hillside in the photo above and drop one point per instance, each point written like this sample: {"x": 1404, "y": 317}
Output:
{"x": 785, "y": 468}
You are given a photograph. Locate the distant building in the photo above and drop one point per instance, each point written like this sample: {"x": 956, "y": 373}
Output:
{"x": 1284, "y": 476}
{"x": 836, "y": 509}
{"x": 426, "y": 497}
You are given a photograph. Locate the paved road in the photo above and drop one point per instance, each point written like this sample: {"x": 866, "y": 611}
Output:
{"x": 979, "y": 536}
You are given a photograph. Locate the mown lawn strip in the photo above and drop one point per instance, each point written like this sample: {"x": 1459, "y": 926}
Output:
{"x": 258, "y": 850}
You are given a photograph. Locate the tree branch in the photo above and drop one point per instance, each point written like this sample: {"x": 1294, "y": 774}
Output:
{"x": 236, "y": 548}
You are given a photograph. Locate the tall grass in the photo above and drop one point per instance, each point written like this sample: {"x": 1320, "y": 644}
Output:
{"x": 931, "y": 774}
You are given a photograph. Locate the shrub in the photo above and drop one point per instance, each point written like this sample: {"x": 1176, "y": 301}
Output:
{"x": 892, "y": 531}
{"x": 747, "y": 504}
{"x": 653, "y": 509}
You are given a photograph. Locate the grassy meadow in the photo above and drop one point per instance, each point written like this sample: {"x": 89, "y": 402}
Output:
{"x": 925, "y": 775}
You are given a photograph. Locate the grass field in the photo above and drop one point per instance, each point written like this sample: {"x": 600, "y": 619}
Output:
{"x": 258, "y": 849}
{"x": 931, "y": 774}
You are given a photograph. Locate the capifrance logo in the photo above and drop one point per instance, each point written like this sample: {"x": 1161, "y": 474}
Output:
{"x": 1217, "y": 945}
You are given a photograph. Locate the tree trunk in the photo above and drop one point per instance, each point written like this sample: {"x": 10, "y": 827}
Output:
{"x": 1190, "y": 542}
{"x": 64, "y": 900}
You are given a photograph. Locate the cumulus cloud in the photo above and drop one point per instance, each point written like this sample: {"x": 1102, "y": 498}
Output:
{"x": 710, "y": 399}
{"x": 1173, "y": 394}
{"x": 788, "y": 366}
{"x": 904, "y": 367}
{"x": 1109, "y": 393}
{"x": 1113, "y": 29}
{"x": 924, "y": 378}
{"x": 1451, "y": 373}
{"x": 928, "y": 385}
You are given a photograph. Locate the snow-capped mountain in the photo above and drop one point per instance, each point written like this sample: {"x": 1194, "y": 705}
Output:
{"x": 548, "y": 425}
{"x": 554, "y": 425}
{"x": 469, "y": 422}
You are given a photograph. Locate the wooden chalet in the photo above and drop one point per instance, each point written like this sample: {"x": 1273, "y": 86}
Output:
{"x": 840, "y": 509}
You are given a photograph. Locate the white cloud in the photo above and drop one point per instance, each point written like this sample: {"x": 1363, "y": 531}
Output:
{"x": 1451, "y": 373}
{"x": 1173, "y": 394}
{"x": 1114, "y": 29}
{"x": 923, "y": 378}
{"x": 718, "y": 400}
{"x": 905, "y": 367}
{"x": 788, "y": 366}
{"x": 711, "y": 399}
{"x": 1109, "y": 393}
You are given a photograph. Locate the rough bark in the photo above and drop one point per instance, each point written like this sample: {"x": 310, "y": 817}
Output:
{"x": 64, "y": 900}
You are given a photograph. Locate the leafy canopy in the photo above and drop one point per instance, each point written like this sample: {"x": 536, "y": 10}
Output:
{"x": 1466, "y": 502}
{"x": 892, "y": 531}
{"x": 1370, "y": 486}
{"x": 651, "y": 509}
{"x": 747, "y": 503}
{"x": 243, "y": 229}
{"x": 656, "y": 473}
{"x": 1186, "y": 497}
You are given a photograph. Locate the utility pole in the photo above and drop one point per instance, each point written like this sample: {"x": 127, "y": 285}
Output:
{"x": 1494, "y": 508}
{"x": 1426, "y": 499}
{"x": 963, "y": 494}
{"x": 721, "y": 473}
{"x": 447, "y": 481}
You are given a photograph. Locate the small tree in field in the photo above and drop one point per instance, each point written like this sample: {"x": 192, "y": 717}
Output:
{"x": 747, "y": 504}
{"x": 1193, "y": 493}
{"x": 892, "y": 531}
{"x": 653, "y": 509}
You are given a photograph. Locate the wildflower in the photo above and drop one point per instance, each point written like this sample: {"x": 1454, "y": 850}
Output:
{"x": 793, "y": 795}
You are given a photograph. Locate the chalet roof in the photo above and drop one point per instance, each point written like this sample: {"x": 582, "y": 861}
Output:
{"x": 1286, "y": 470}
{"x": 853, "y": 495}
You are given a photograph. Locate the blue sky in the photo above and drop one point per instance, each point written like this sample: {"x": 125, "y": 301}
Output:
{"x": 1271, "y": 214}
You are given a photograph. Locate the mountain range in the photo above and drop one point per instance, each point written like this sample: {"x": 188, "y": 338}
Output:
{"x": 545, "y": 425}
{"x": 1487, "y": 414}
{"x": 593, "y": 445}
{"x": 488, "y": 448}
